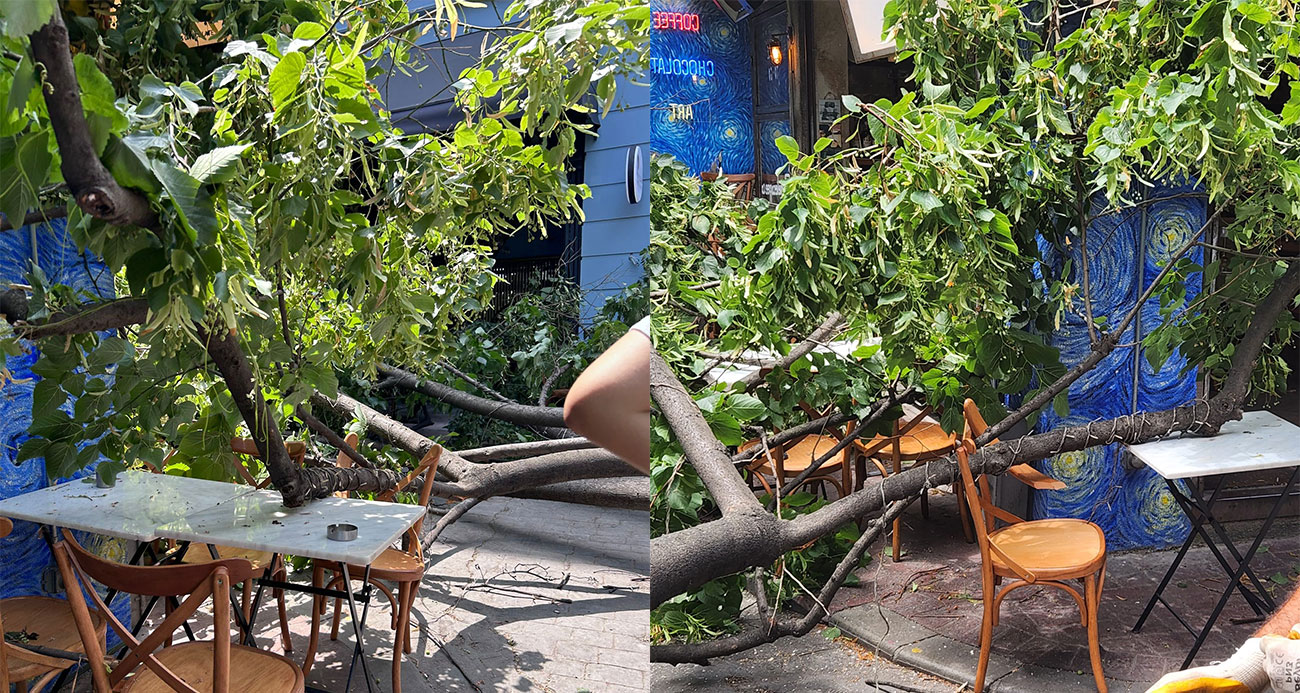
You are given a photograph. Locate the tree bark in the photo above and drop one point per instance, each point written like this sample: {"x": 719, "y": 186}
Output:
{"x": 83, "y": 319}
{"x": 40, "y": 216}
{"x": 514, "y": 451}
{"x": 628, "y": 493}
{"x": 522, "y": 414}
{"x": 92, "y": 186}
{"x": 224, "y": 350}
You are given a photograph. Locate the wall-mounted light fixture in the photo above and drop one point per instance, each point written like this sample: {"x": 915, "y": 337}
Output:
{"x": 774, "y": 53}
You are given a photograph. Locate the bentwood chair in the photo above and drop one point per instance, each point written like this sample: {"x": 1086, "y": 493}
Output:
{"x": 1031, "y": 552}
{"x": 45, "y": 623}
{"x": 403, "y": 566}
{"x": 912, "y": 441}
{"x": 786, "y": 461}
{"x": 148, "y": 665}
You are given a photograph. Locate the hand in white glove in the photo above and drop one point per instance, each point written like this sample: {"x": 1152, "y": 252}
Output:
{"x": 1243, "y": 672}
{"x": 1282, "y": 660}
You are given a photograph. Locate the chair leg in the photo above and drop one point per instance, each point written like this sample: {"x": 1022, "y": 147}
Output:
{"x": 317, "y": 610}
{"x": 398, "y": 638}
{"x": 986, "y": 639}
{"x": 282, "y": 576}
{"x": 246, "y": 603}
{"x": 1092, "y": 598}
{"x": 411, "y": 589}
{"x": 967, "y": 526}
{"x": 898, "y": 523}
{"x": 338, "y": 613}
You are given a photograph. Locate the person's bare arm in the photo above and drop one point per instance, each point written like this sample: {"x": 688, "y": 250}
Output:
{"x": 609, "y": 403}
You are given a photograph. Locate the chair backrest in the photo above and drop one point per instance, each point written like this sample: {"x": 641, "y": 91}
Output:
{"x": 428, "y": 466}
{"x": 199, "y": 582}
{"x": 248, "y": 447}
{"x": 344, "y": 461}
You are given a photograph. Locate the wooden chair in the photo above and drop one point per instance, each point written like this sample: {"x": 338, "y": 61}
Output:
{"x": 915, "y": 441}
{"x": 790, "y": 459}
{"x": 741, "y": 184}
{"x": 199, "y": 554}
{"x": 147, "y": 666}
{"x": 51, "y": 625}
{"x": 404, "y": 567}
{"x": 1033, "y": 552}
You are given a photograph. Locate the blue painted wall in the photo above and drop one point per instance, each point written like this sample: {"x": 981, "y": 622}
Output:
{"x": 1127, "y": 250}
{"x": 25, "y": 561}
{"x": 722, "y": 129}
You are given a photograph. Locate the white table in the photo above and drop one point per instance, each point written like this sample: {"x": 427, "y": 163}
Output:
{"x": 145, "y": 507}
{"x": 135, "y": 508}
{"x": 1260, "y": 441}
{"x": 729, "y": 372}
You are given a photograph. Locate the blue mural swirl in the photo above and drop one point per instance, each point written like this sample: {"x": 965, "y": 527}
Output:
{"x": 26, "y": 567}
{"x": 1126, "y": 251}
{"x": 720, "y": 130}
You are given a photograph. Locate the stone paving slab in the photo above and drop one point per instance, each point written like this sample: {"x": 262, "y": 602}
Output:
{"x": 934, "y": 591}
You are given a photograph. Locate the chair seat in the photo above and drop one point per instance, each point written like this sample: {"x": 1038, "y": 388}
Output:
{"x": 1053, "y": 549}
{"x": 50, "y": 622}
{"x": 198, "y": 554}
{"x": 925, "y": 440}
{"x": 392, "y": 564}
{"x": 250, "y": 670}
{"x": 802, "y": 454}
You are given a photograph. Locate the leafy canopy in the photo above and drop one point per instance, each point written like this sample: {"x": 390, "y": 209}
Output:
{"x": 293, "y": 212}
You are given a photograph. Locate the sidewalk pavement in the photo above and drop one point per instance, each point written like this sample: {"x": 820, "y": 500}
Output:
{"x": 924, "y": 612}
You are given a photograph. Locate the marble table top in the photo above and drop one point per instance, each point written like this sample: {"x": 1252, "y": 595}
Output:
{"x": 134, "y": 508}
{"x": 1259, "y": 441}
{"x": 259, "y": 521}
{"x": 729, "y": 372}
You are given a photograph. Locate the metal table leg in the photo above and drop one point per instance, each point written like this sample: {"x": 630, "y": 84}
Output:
{"x": 358, "y": 625}
{"x": 1245, "y": 563}
{"x": 1260, "y": 600}
{"x": 1178, "y": 560}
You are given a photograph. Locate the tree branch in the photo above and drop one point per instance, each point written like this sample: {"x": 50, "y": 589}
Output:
{"x": 92, "y": 186}
{"x": 512, "y": 412}
{"x": 334, "y": 439}
{"x": 513, "y": 451}
{"x": 829, "y": 328}
{"x": 40, "y": 216}
{"x": 83, "y": 319}
{"x": 709, "y": 456}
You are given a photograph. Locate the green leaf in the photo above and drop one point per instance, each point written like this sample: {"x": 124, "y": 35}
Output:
{"x": 97, "y": 95}
{"x": 745, "y": 407}
{"x": 286, "y": 77}
{"x": 23, "y": 81}
{"x": 192, "y": 204}
{"x": 788, "y": 146}
{"x": 217, "y": 165}
{"x": 20, "y": 18}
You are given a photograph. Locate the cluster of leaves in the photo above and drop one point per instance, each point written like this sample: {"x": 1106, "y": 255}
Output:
{"x": 293, "y": 213}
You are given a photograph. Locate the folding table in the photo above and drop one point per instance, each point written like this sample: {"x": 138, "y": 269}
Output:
{"x": 146, "y": 507}
{"x": 1259, "y": 441}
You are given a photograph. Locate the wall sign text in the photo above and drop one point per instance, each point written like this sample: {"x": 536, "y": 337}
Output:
{"x": 676, "y": 21}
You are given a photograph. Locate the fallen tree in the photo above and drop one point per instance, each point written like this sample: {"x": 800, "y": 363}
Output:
{"x": 941, "y": 252}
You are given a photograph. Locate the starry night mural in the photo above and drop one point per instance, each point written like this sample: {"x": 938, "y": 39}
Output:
{"x": 1127, "y": 250}
{"x": 702, "y": 93}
